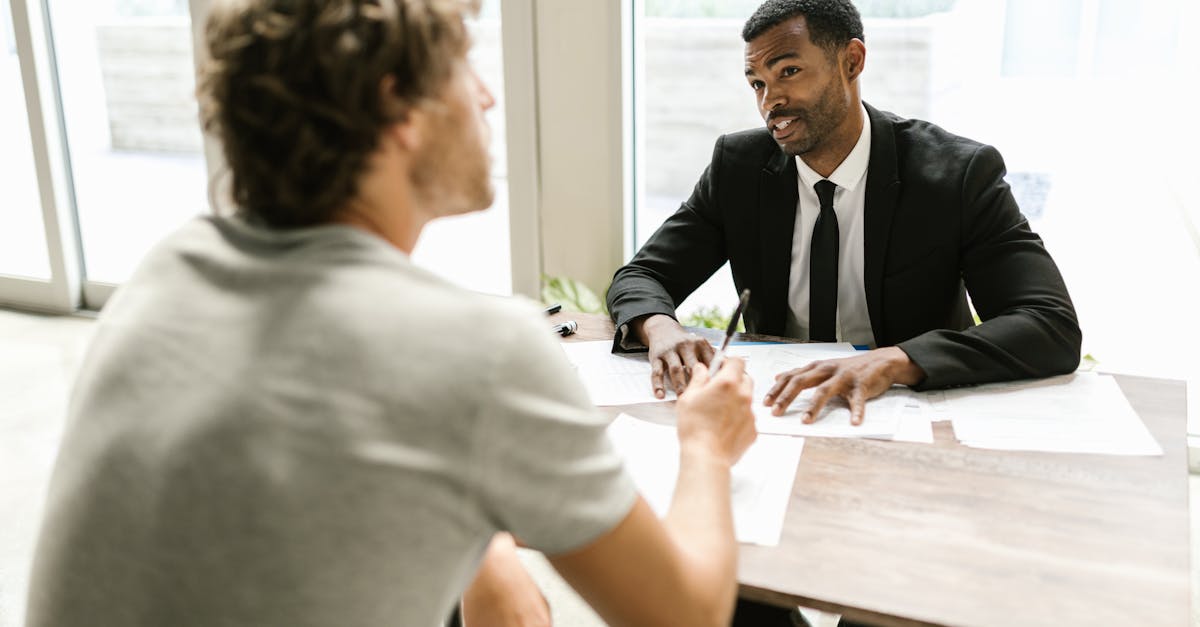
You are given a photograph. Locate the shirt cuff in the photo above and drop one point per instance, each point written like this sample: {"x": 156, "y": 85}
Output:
{"x": 629, "y": 342}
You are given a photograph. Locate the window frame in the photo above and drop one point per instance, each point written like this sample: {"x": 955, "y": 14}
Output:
{"x": 61, "y": 293}
{"x": 583, "y": 190}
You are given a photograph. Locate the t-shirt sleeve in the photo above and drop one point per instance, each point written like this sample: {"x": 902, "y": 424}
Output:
{"x": 548, "y": 472}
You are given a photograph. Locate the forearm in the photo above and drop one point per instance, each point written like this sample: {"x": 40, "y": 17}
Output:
{"x": 700, "y": 521}
{"x": 900, "y": 368}
{"x": 636, "y": 293}
{"x": 641, "y": 328}
{"x": 1005, "y": 348}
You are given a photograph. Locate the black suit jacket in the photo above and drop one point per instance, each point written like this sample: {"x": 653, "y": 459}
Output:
{"x": 940, "y": 222}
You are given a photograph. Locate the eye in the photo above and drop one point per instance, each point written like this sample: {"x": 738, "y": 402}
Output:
{"x": 757, "y": 85}
{"x": 790, "y": 70}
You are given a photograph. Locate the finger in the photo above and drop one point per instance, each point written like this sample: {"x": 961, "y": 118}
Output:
{"x": 821, "y": 395}
{"x": 801, "y": 370}
{"x": 858, "y": 405}
{"x": 805, "y": 378}
{"x": 699, "y": 378}
{"x": 732, "y": 368}
{"x": 688, "y": 353}
{"x": 705, "y": 350}
{"x": 675, "y": 375}
{"x": 794, "y": 387}
{"x": 781, "y": 381}
{"x": 656, "y": 378}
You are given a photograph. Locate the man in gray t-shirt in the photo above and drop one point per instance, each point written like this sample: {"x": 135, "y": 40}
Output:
{"x": 282, "y": 421}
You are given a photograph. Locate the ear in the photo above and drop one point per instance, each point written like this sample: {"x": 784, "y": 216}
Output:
{"x": 406, "y": 133}
{"x": 854, "y": 58}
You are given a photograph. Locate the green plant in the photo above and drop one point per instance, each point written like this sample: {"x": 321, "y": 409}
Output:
{"x": 571, "y": 294}
{"x": 710, "y": 318}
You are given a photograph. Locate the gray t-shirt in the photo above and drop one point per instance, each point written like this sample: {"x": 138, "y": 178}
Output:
{"x": 302, "y": 428}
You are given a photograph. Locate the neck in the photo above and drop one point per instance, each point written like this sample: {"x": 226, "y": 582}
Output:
{"x": 401, "y": 231}
{"x": 828, "y": 157}
{"x": 386, "y": 206}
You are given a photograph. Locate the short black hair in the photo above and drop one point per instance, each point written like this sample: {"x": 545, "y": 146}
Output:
{"x": 831, "y": 23}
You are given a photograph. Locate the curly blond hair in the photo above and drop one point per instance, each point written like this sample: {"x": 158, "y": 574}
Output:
{"x": 292, "y": 89}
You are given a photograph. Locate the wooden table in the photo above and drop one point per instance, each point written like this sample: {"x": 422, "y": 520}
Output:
{"x": 894, "y": 533}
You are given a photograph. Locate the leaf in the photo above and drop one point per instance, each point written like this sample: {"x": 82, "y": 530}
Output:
{"x": 710, "y": 318}
{"x": 571, "y": 294}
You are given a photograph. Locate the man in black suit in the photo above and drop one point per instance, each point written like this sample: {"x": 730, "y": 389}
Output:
{"x": 850, "y": 224}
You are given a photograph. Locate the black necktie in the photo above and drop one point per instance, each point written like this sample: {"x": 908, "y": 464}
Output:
{"x": 823, "y": 269}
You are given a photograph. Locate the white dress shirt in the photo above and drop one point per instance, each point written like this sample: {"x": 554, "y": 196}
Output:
{"x": 849, "y": 200}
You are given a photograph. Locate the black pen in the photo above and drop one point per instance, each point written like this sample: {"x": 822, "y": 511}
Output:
{"x": 553, "y": 309}
{"x": 733, "y": 322}
{"x": 566, "y": 328}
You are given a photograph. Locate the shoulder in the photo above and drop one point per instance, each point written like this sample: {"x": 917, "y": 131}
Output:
{"x": 926, "y": 152}
{"x": 752, "y": 148}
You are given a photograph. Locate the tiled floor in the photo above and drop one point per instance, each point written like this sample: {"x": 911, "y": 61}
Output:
{"x": 38, "y": 357}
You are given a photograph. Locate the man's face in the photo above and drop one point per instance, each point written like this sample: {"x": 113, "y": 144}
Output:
{"x": 799, "y": 88}
{"x": 453, "y": 170}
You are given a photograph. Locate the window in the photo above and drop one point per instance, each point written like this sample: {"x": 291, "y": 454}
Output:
{"x": 22, "y": 235}
{"x": 690, "y": 90}
{"x": 473, "y": 250}
{"x": 1086, "y": 99}
{"x": 126, "y": 75}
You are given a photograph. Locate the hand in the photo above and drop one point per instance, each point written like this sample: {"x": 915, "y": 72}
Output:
{"x": 503, "y": 594}
{"x": 674, "y": 352}
{"x": 715, "y": 413}
{"x": 856, "y": 379}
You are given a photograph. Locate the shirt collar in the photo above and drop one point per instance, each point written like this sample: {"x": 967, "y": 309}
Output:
{"x": 853, "y": 169}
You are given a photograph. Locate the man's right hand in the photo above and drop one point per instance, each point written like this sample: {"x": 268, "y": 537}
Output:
{"x": 715, "y": 413}
{"x": 674, "y": 353}
{"x": 680, "y": 569}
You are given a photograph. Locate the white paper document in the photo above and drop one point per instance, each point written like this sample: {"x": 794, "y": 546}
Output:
{"x": 1076, "y": 413}
{"x": 914, "y": 424}
{"x": 881, "y": 419}
{"x": 612, "y": 379}
{"x": 624, "y": 379}
{"x": 761, "y": 481}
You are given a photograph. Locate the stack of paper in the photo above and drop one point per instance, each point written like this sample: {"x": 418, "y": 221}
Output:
{"x": 1075, "y": 413}
{"x": 1078, "y": 413}
{"x": 761, "y": 481}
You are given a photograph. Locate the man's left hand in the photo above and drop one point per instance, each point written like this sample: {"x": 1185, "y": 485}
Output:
{"x": 856, "y": 379}
{"x": 503, "y": 594}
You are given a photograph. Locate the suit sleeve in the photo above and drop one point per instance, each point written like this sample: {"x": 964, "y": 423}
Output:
{"x": 1029, "y": 328}
{"x": 683, "y": 253}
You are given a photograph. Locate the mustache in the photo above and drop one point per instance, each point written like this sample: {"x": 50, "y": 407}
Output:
{"x": 786, "y": 113}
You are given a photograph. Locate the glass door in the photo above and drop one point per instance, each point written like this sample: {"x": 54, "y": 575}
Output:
{"x": 103, "y": 156}
{"x": 37, "y": 261}
{"x": 126, "y": 74}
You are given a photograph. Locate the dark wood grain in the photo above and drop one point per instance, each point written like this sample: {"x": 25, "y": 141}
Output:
{"x": 894, "y": 533}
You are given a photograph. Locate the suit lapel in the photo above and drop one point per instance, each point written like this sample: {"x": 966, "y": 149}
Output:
{"x": 778, "y": 196}
{"x": 883, "y": 191}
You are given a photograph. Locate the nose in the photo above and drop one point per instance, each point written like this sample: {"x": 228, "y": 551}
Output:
{"x": 486, "y": 99}
{"x": 772, "y": 99}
